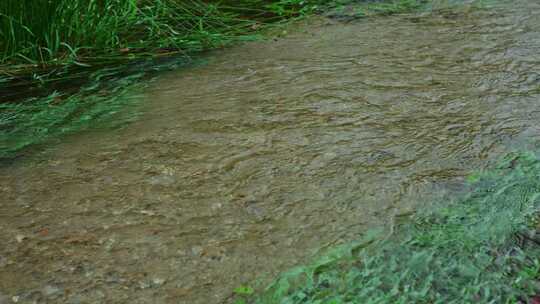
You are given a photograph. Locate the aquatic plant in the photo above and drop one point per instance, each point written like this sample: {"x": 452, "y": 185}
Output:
{"x": 481, "y": 248}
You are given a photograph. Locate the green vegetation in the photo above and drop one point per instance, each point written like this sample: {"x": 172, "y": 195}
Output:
{"x": 37, "y": 120}
{"x": 44, "y": 32}
{"x": 482, "y": 248}
{"x": 89, "y": 31}
{"x": 71, "y": 65}
{"x": 54, "y": 55}
{"x": 109, "y": 98}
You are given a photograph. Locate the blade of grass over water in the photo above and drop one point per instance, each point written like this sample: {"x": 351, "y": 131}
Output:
{"x": 110, "y": 97}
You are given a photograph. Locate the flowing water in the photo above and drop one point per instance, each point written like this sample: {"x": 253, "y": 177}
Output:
{"x": 252, "y": 163}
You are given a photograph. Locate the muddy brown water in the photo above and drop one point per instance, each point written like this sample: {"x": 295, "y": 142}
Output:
{"x": 272, "y": 152}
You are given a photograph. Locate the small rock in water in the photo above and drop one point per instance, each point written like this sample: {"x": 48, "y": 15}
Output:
{"x": 20, "y": 238}
{"x": 144, "y": 284}
{"x": 217, "y": 206}
{"x": 255, "y": 211}
{"x": 158, "y": 282}
{"x": 50, "y": 290}
{"x": 197, "y": 250}
{"x": 162, "y": 180}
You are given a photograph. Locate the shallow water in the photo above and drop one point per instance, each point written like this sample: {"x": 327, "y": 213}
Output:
{"x": 251, "y": 164}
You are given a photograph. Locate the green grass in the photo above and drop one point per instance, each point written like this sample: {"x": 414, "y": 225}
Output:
{"x": 483, "y": 247}
{"x": 85, "y": 31}
{"x": 44, "y": 32}
{"x": 53, "y": 54}
{"x": 71, "y": 65}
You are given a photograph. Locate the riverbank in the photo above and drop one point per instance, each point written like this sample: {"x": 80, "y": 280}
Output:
{"x": 44, "y": 35}
{"x": 60, "y": 75}
{"x": 483, "y": 247}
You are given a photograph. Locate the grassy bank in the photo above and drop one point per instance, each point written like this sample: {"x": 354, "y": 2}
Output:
{"x": 42, "y": 32}
{"x": 67, "y": 66}
{"x": 82, "y": 32}
{"x": 481, "y": 248}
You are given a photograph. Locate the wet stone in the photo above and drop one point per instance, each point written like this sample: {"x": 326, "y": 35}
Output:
{"x": 256, "y": 211}
{"x": 145, "y": 284}
{"x": 162, "y": 180}
{"x": 51, "y": 291}
{"x": 197, "y": 250}
{"x": 112, "y": 278}
{"x": 157, "y": 282}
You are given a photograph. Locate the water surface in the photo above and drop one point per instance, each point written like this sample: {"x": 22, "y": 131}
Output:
{"x": 251, "y": 164}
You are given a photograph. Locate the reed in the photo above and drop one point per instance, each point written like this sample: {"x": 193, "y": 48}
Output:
{"x": 48, "y": 32}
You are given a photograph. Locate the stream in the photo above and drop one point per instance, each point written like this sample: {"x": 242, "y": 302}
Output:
{"x": 270, "y": 154}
